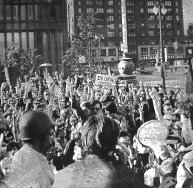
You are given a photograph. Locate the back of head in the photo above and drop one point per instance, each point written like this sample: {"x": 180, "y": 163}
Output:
{"x": 99, "y": 134}
{"x": 34, "y": 125}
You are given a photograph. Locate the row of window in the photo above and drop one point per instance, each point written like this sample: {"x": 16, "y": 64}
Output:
{"x": 98, "y": 2}
{"x": 31, "y": 12}
{"x": 167, "y": 3}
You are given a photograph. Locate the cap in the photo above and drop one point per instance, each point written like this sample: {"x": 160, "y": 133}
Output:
{"x": 34, "y": 125}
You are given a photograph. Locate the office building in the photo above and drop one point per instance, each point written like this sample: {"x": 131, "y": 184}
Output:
{"x": 142, "y": 27}
{"x": 34, "y": 24}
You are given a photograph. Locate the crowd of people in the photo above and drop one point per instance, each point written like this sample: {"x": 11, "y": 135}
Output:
{"x": 77, "y": 134}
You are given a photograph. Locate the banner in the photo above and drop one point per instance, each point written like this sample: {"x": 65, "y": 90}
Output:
{"x": 105, "y": 80}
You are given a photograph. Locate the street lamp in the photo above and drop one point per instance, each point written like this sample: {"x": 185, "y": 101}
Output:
{"x": 99, "y": 37}
{"x": 159, "y": 8}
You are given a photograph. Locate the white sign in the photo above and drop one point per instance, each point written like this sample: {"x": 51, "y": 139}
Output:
{"x": 82, "y": 59}
{"x": 102, "y": 79}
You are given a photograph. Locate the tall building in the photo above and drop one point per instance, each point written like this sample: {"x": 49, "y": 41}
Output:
{"x": 142, "y": 27}
{"x": 34, "y": 24}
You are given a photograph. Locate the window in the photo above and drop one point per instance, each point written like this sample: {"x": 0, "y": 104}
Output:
{"x": 9, "y": 39}
{"x": 110, "y": 10}
{"x": 168, "y": 3}
{"x": 79, "y": 10}
{"x": 103, "y": 52}
{"x": 169, "y": 10}
{"x": 112, "y": 52}
{"x": 110, "y": 34}
{"x": 151, "y": 26}
{"x": 131, "y": 35}
{"x": 144, "y": 51}
{"x": 130, "y": 3}
{"x": 176, "y": 3}
{"x": 142, "y": 10}
{"x": 100, "y": 10}
{"x": 130, "y": 11}
{"x": 151, "y": 17}
{"x": 131, "y": 43}
{"x": 168, "y": 17}
{"x": 16, "y": 38}
{"x": 177, "y": 18}
{"x": 110, "y": 18}
{"x": 168, "y": 25}
{"x": 24, "y": 40}
{"x": 30, "y": 12}
{"x": 178, "y": 33}
{"x": 130, "y": 18}
{"x": 89, "y": 10}
{"x": 23, "y": 14}
{"x": 131, "y": 26}
{"x": 110, "y": 26}
{"x": 177, "y": 10}
{"x": 151, "y": 33}
{"x": 132, "y": 52}
{"x": 52, "y": 11}
{"x": 79, "y": 2}
{"x": 143, "y": 34}
{"x": 1, "y": 12}
{"x": 150, "y": 3}
{"x": 15, "y": 12}
{"x": 142, "y": 25}
{"x": 31, "y": 40}
{"x": 100, "y": 26}
{"x": 119, "y": 11}
{"x": 110, "y": 2}
{"x": 2, "y": 44}
{"x": 99, "y": 2}
{"x": 169, "y": 33}
{"x": 8, "y": 12}
{"x": 89, "y": 2}
{"x": 120, "y": 34}
{"x": 150, "y": 10}
{"x": 111, "y": 43}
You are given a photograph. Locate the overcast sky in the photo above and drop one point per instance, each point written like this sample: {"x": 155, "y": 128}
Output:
{"x": 188, "y": 14}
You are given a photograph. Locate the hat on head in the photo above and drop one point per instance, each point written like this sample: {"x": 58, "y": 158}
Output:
{"x": 108, "y": 99}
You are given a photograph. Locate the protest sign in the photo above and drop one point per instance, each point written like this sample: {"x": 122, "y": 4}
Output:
{"x": 102, "y": 79}
{"x": 152, "y": 133}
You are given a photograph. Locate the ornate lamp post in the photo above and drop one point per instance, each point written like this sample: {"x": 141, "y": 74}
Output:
{"x": 159, "y": 9}
{"x": 99, "y": 37}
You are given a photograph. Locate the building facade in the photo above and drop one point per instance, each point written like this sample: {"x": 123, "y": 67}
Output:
{"x": 36, "y": 25}
{"x": 142, "y": 26}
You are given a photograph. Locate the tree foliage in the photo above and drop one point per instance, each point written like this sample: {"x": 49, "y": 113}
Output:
{"x": 83, "y": 42}
{"x": 24, "y": 61}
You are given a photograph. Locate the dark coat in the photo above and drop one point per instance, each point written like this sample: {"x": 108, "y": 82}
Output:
{"x": 95, "y": 172}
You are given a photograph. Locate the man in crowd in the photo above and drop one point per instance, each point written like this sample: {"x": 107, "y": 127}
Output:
{"x": 29, "y": 166}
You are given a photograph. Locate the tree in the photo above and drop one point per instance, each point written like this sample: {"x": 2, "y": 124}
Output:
{"x": 83, "y": 42}
{"x": 22, "y": 60}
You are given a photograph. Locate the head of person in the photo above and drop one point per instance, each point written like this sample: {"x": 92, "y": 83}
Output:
{"x": 96, "y": 107}
{"x": 73, "y": 120}
{"x": 12, "y": 148}
{"x": 167, "y": 108}
{"x": 86, "y": 108}
{"x": 99, "y": 135}
{"x": 37, "y": 130}
{"x": 65, "y": 113}
{"x": 46, "y": 95}
{"x": 167, "y": 167}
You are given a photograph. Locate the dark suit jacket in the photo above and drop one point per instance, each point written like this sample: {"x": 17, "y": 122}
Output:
{"x": 95, "y": 172}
